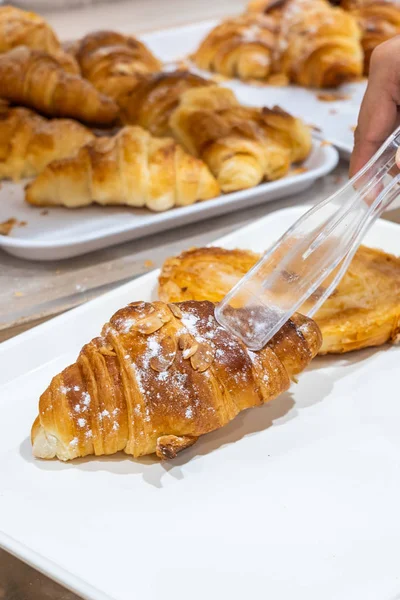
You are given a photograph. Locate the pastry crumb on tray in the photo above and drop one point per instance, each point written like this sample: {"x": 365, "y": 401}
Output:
{"x": 6, "y": 227}
{"x": 332, "y": 97}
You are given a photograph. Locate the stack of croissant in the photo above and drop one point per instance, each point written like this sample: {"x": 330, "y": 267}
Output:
{"x": 99, "y": 121}
{"x": 314, "y": 43}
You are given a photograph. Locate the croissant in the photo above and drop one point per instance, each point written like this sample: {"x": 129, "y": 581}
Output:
{"x": 266, "y": 6}
{"x": 22, "y": 28}
{"x": 132, "y": 168}
{"x": 241, "y": 145}
{"x": 112, "y": 61}
{"x": 154, "y": 97}
{"x": 37, "y": 80}
{"x": 240, "y": 47}
{"x": 379, "y": 21}
{"x": 159, "y": 377}
{"x": 29, "y": 142}
{"x": 363, "y": 311}
{"x": 319, "y": 45}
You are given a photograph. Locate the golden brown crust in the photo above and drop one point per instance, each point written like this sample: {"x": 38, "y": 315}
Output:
{"x": 242, "y": 146}
{"x": 185, "y": 277}
{"x": 29, "y": 142}
{"x": 22, "y": 28}
{"x": 363, "y": 311}
{"x": 154, "y": 97}
{"x": 319, "y": 44}
{"x": 379, "y": 21}
{"x": 37, "y": 80}
{"x": 240, "y": 47}
{"x": 161, "y": 376}
{"x": 132, "y": 168}
{"x": 112, "y": 61}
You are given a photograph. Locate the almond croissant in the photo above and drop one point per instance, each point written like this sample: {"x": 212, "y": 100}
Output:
{"x": 154, "y": 97}
{"x": 112, "y": 61}
{"x": 22, "y": 28}
{"x": 240, "y": 47}
{"x": 29, "y": 142}
{"x": 242, "y": 146}
{"x": 37, "y": 80}
{"x": 363, "y": 311}
{"x": 160, "y": 376}
{"x": 319, "y": 45}
{"x": 379, "y": 21}
{"x": 132, "y": 168}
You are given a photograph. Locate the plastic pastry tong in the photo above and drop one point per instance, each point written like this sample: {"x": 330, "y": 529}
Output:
{"x": 306, "y": 264}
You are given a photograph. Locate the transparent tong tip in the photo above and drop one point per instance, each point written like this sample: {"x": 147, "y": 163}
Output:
{"x": 306, "y": 264}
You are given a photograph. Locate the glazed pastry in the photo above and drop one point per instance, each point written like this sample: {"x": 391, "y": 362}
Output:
{"x": 266, "y": 6}
{"x": 23, "y": 28}
{"x": 159, "y": 377}
{"x": 67, "y": 62}
{"x": 240, "y": 47}
{"x": 132, "y": 168}
{"x": 37, "y": 80}
{"x": 363, "y": 311}
{"x": 379, "y": 21}
{"x": 29, "y": 142}
{"x": 242, "y": 146}
{"x": 154, "y": 97}
{"x": 112, "y": 61}
{"x": 319, "y": 45}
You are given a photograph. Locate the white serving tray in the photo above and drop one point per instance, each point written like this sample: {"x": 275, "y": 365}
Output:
{"x": 336, "y": 120}
{"x": 63, "y": 232}
{"x": 296, "y": 499}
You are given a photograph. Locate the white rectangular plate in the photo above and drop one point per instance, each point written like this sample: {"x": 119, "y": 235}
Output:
{"x": 335, "y": 119}
{"x": 63, "y": 233}
{"x": 296, "y": 499}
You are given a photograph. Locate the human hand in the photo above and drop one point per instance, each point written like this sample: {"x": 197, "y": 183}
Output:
{"x": 379, "y": 114}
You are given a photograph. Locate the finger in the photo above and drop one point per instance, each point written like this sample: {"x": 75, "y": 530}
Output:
{"x": 398, "y": 158}
{"x": 378, "y": 113}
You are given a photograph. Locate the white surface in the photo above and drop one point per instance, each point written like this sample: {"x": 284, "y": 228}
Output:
{"x": 296, "y": 499}
{"x": 63, "y": 232}
{"x": 335, "y": 119}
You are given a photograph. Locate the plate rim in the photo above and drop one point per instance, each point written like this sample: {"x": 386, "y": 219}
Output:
{"x": 328, "y": 154}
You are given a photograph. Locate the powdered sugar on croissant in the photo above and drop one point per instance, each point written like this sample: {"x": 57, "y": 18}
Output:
{"x": 159, "y": 377}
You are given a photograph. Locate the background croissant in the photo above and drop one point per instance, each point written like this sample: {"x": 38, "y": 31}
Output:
{"x": 363, "y": 311}
{"x": 132, "y": 168}
{"x": 241, "y": 145}
{"x": 23, "y": 28}
{"x": 379, "y": 21}
{"x": 159, "y": 377}
{"x": 154, "y": 97}
{"x": 113, "y": 61}
{"x": 319, "y": 44}
{"x": 240, "y": 47}
{"x": 29, "y": 142}
{"x": 37, "y": 80}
